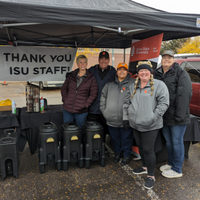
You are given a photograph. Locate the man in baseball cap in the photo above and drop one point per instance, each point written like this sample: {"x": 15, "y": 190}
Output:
{"x": 104, "y": 54}
{"x": 103, "y": 73}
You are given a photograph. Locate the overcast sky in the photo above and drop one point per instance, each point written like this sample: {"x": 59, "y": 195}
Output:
{"x": 175, "y": 6}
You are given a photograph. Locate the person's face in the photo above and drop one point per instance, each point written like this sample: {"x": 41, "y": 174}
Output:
{"x": 144, "y": 75}
{"x": 122, "y": 73}
{"x": 82, "y": 64}
{"x": 167, "y": 61}
{"x": 104, "y": 62}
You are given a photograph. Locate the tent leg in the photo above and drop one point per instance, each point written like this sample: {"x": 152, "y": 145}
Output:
{"x": 124, "y": 55}
{"x": 113, "y": 57}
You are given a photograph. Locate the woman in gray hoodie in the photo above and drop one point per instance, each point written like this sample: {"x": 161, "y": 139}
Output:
{"x": 111, "y": 103}
{"x": 146, "y": 102}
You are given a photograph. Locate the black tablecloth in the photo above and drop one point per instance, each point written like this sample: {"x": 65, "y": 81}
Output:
{"x": 192, "y": 133}
{"x": 53, "y": 113}
{"x": 8, "y": 120}
{"x": 30, "y": 123}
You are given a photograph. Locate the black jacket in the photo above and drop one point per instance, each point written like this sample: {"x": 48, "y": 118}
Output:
{"x": 94, "y": 108}
{"x": 180, "y": 91}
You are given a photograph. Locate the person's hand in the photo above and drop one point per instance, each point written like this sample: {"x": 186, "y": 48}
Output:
{"x": 126, "y": 124}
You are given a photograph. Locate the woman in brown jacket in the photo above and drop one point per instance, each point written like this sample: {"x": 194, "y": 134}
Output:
{"x": 78, "y": 92}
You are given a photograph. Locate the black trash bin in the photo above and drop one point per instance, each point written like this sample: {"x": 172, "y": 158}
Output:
{"x": 49, "y": 148}
{"x": 72, "y": 146}
{"x": 9, "y": 154}
{"x": 94, "y": 145}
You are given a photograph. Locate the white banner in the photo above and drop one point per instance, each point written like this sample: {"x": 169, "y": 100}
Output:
{"x": 35, "y": 63}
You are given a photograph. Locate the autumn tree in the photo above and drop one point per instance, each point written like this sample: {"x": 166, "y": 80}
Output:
{"x": 174, "y": 45}
{"x": 191, "y": 46}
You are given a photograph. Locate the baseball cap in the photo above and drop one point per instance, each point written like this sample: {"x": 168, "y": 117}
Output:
{"x": 104, "y": 54}
{"x": 168, "y": 52}
{"x": 122, "y": 64}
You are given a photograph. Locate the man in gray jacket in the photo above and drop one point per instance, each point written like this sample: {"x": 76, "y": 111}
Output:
{"x": 111, "y": 104}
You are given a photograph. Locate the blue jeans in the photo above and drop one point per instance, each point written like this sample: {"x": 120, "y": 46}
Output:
{"x": 122, "y": 140}
{"x": 175, "y": 146}
{"x": 79, "y": 117}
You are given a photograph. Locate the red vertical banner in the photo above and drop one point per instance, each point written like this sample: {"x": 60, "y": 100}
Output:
{"x": 146, "y": 49}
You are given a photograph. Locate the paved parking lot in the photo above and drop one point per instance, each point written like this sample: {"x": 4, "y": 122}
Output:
{"x": 111, "y": 182}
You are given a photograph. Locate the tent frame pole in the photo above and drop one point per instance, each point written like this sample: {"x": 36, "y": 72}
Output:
{"x": 124, "y": 55}
{"x": 19, "y": 24}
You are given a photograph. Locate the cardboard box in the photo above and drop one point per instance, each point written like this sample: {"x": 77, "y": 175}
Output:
{"x": 5, "y": 108}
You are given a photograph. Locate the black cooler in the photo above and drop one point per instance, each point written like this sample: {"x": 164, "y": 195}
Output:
{"x": 94, "y": 147}
{"x": 9, "y": 154}
{"x": 49, "y": 149}
{"x": 72, "y": 147}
